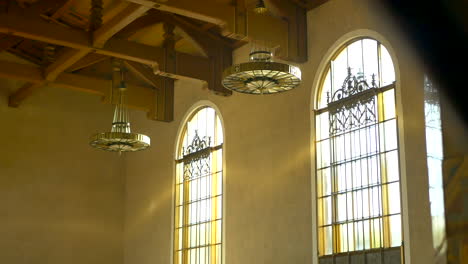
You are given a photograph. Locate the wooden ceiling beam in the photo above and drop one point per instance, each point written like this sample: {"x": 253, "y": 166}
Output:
{"x": 139, "y": 97}
{"x": 299, "y": 3}
{"x": 311, "y": 4}
{"x": 71, "y": 55}
{"x": 63, "y": 62}
{"x": 15, "y": 99}
{"x": 86, "y": 61}
{"x": 37, "y": 29}
{"x": 143, "y": 73}
{"x": 220, "y": 54}
{"x": 62, "y": 10}
{"x": 118, "y": 22}
{"x": 55, "y": 34}
{"x": 197, "y": 11}
{"x": 8, "y": 41}
{"x": 140, "y": 23}
{"x": 187, "y": 26}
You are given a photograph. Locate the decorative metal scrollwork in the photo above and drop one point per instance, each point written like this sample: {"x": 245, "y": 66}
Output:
{"x": 353, "y": 105}
{"x": 352, "y": 85}
{"x": 197, "y": 157}
{"x": 198, "y": 144}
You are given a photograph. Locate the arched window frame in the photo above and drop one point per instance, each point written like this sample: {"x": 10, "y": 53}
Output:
{"x": 198, "y": 236}
{"x": 318, "y": 99}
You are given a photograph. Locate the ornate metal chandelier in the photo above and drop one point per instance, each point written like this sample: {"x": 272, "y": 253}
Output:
{"x": 120, "y": 138}
{"x": 261, "y": 75}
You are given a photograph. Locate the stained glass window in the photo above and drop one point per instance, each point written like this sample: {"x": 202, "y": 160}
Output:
{"x": 199, "y": 190}
{"x": 358, "y": 176}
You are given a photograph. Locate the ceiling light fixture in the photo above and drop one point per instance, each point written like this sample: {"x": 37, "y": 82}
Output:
{"x": 261, "y": 75}
{"x": 260, "y": 7}
{"x": 120, "y": 139}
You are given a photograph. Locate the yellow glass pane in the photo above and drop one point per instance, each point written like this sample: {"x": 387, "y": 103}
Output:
{"x": 376, "y": 229}
{"x": 341, "y": 234}
{"x": 178, "y": 239}
{"x": 321, "y": 241}
{"x": 328, "y": 243}
{"x": 219, "y": 207}
{"x": 219, "y": 183}
{"x": 219, "y": 160}
{"x": 218, "y": 231}
{"x": 218, "y": 254}
{"x": 178, "y": 257}
{"x": 320, "y": 211}
{"x": 179, "y": 216}
{"x": 325, "y": 213}
{"x": 394, "y": 198}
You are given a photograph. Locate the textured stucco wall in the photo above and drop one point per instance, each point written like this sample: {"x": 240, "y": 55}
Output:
{"x": 268, "y": 192}
{"x": 60, "y": 200}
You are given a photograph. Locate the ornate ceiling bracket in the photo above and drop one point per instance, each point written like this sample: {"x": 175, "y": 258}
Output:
{"x": 218, "y": 49}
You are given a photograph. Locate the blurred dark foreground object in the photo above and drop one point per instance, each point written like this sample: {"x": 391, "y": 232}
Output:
{"x": 438, "y": 31}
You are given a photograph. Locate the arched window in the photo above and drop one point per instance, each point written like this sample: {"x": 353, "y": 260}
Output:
{"x": 199, "y": 190}
{"x": 358, "y": 176}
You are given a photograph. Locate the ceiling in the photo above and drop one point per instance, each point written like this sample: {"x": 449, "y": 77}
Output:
{"x": 72, "y": 43}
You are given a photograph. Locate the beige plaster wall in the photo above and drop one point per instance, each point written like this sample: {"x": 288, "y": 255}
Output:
{"x": 268, "y": 191}
{"x": 60, "y": 200}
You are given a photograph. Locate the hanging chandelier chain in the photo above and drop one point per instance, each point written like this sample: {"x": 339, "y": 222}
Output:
{"x": 120, "y": 139}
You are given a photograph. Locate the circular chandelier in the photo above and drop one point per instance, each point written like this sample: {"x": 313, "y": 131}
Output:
{"x": 261, "y": 75}
{"x": 120, "y": 138}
